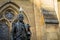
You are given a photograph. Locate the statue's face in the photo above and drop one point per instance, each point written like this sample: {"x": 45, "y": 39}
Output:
{"x": 21, "y": 18}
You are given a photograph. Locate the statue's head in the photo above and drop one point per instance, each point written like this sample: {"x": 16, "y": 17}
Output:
{"x": 21, "y": 17}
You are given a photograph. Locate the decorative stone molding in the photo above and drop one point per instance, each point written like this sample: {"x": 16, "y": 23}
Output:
{"x": 49, "y": 16}
{"x": 9, "y": 3}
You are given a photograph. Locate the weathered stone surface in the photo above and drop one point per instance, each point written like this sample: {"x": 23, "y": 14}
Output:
{"x": 34, "y": 17}
{"x": 49, "y": 16}
{"x": 52, "y": 36}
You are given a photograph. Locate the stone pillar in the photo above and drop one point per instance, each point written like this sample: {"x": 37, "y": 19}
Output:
{"x": 39, "y": 21}
{"x": 59, "y": 18}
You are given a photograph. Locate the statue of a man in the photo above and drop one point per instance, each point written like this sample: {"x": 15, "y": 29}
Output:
{"x": 19, "y": 31}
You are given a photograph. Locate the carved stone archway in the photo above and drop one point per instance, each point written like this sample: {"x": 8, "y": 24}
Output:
{"x": 10, "y": 11}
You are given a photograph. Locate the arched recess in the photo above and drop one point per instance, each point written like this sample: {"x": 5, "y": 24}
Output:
{"x": 15, "y": 8}
{"x": 9, "y": 3}
{"x": 12, "y": 6}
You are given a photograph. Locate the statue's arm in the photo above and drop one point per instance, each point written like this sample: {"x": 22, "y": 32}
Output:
{"x": 27, "y": 26}
{"x": 29, "y": 31}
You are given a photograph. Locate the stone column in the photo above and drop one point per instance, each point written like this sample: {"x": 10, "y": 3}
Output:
{"x": 39, "y": 20}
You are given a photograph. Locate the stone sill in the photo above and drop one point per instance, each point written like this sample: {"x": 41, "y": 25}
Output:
{"x": 51, "y": 21}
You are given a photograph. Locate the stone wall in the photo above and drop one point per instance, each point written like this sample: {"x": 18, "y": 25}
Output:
{"x": 34, "y": 16}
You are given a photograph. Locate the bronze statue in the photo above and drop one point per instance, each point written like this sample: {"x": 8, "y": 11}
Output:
{"x": 20, "y": 30}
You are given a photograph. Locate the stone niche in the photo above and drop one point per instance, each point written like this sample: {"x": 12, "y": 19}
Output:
{"x": 12, "y": 9}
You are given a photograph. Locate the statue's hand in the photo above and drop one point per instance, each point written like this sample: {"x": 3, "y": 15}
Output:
{"x": 28, "y": 33}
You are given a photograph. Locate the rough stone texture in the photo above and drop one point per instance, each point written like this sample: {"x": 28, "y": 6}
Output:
{"x": 33, "y": 16}
{"x": 59, "y": 11}
{"x": 51, "y": 32}
{"x": 59, "y": 19}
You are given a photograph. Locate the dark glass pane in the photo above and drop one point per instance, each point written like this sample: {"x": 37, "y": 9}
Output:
{"x": 9, "y": 15}
{"x": 4, "y": 31}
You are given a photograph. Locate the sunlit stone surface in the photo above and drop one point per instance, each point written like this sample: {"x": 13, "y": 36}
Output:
{"x": 35, "y": 17}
